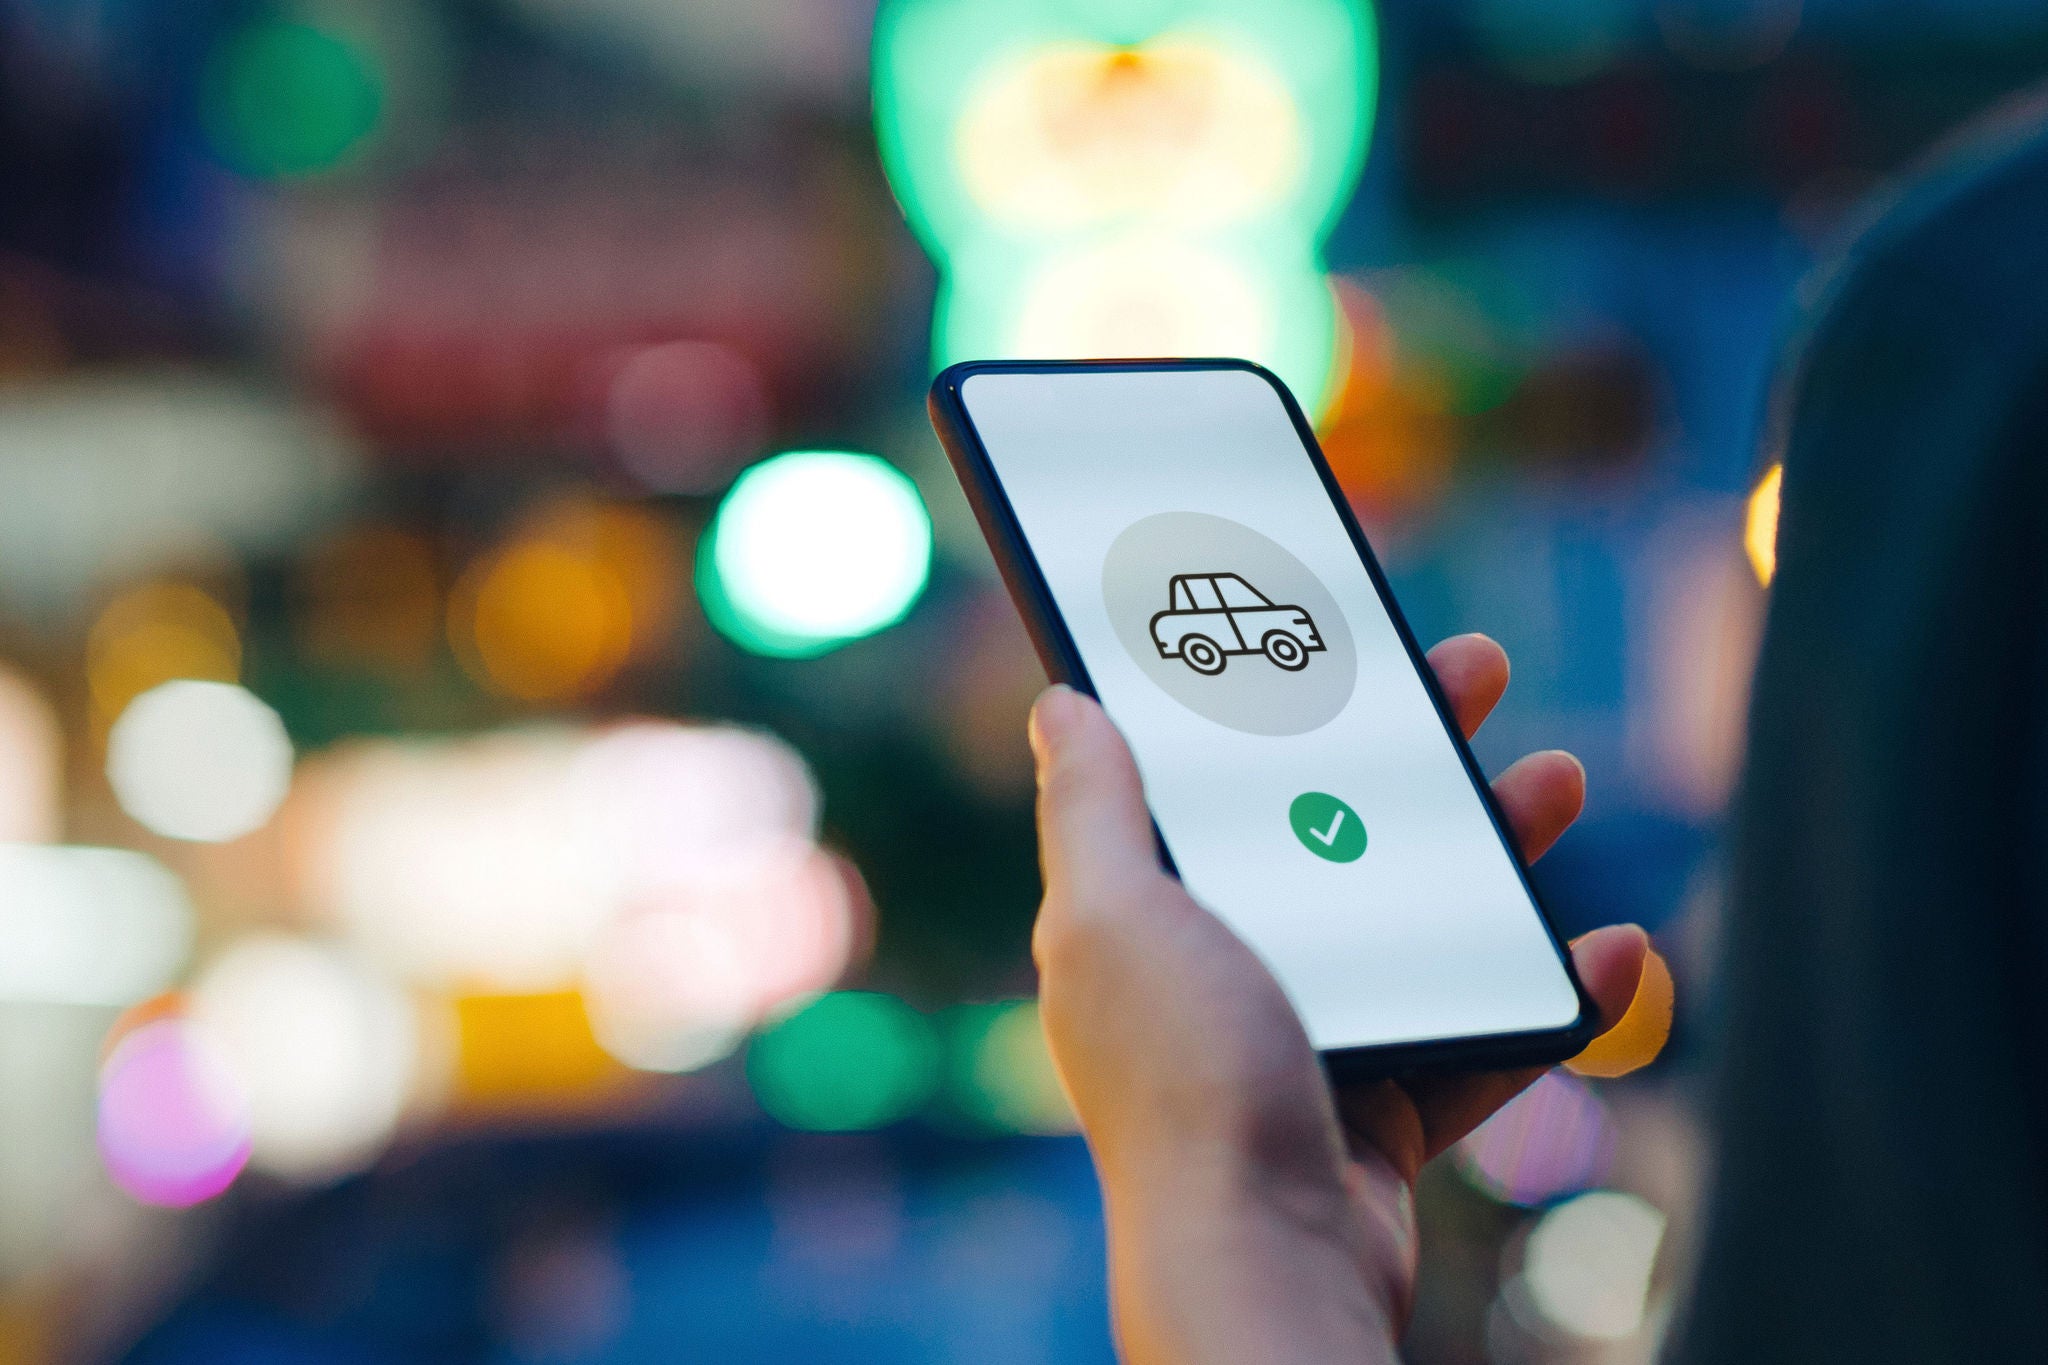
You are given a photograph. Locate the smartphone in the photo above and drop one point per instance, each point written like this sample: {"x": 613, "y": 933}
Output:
{"x": 1179, "y": 550}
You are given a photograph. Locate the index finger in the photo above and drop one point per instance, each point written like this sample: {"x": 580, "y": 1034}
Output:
{"x": 1472, "y": 670}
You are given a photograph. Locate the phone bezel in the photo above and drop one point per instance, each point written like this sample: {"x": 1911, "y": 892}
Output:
{"x": 1063, "y": 663}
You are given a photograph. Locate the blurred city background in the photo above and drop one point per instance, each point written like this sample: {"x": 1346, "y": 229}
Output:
{"x": 514, "y": 816}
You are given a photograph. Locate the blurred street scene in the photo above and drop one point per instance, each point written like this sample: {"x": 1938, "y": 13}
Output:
{"x": 515, "y": 826}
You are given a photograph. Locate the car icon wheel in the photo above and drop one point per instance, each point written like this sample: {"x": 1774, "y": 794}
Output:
{"x": 1202, "y": 655}
{"x": 1285, "y": 651}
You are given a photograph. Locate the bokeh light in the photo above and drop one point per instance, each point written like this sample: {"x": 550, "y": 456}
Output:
{"x": 812, "y": 549}
{"x": 321, "y": 1049}
{"x": 678, "y": 980}
{"x": 1000, "y": 1072}
{"x": 284, "y": 98}
{"x": 1553, "y": 1139}
{"x": 89, "y": 926}
{"x": 153, "y": 634}
{"x": 532, "y": 1050}
{"x": 1760, "y": 526}
{"x": 460, "y": 864}
{"x": 579, "y": 589}
{"x": 669, "y": 991}
{"x": 173, "y": 1128}
{"x": 204, "y": 761}
{"x": 1128, "y": 180}
{"x": 1072, "y": 134}
{"x": 31, "y": 758}
{"x": 850, "y": 1060}
{"x": 1587, "y": 1265}
{"x": 680, "y": 415}
{"x": 494, "y": 864}
{"x": 1146, "y": 294}
{"x": 546, "y": 622}
{"x": 1387, "y": 433}
{"x": 683, "y": 805}
{"x": 114, "y": 473}
{"x": 1641, "y": 1032}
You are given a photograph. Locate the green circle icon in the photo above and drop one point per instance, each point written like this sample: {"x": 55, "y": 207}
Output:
{"x": 1327, "y": 827}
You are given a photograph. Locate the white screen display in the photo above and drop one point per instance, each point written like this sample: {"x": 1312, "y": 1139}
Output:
{"x": 1304, "y": 784}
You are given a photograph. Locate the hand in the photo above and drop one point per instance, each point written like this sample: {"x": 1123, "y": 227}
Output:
{"x": 1252, "y": 1213}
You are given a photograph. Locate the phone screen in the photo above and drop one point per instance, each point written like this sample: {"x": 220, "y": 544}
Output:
{"x": 1303, "y": 781}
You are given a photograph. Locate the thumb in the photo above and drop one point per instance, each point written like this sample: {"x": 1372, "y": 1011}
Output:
{"x": 1094, "y": 832}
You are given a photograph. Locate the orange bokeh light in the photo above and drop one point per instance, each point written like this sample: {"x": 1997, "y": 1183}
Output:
{"x": 539, "y": 622}
{"x": 580, "y": 590}
{"x": 1760, "y": 528}
{"x": 1644, "y": 1028}
{"x": 1389, "y": 433}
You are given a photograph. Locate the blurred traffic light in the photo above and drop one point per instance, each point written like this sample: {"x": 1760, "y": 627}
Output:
{"x": 1129, "y": 179}
{"x": 812, "y": 549}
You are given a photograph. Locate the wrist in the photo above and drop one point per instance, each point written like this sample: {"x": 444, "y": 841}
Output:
{"x": 1217, "y": 1258}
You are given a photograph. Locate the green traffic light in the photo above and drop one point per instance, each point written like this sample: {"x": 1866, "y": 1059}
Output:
{"x": 812, "y": 549}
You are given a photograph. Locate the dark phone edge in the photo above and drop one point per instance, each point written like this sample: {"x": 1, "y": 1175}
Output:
{"x": 1062, "y": 661}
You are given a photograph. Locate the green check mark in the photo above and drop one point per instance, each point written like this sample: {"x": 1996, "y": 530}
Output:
{"x": 1327, "y": 827}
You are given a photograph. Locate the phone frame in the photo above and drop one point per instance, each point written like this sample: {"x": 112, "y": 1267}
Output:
{"x": 1063, "y": 663}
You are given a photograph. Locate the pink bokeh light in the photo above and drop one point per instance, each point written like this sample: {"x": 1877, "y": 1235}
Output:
{"x": 1552, "y": 1140}
{"x": 173, "y": 1129}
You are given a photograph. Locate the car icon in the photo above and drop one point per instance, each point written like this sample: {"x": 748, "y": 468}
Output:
{"x": 1212, "y": 616}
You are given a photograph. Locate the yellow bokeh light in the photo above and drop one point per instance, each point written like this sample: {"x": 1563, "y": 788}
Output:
{"x": 531, "y": 1051}
{"x": 1760, "y": 528}
{"x": 538, "y": 621}
{"x": 1635, "y": 1041}
{"x": 635, "y": 545}
{"x": 1014, "y": 1077}
{"x": 1074, "y": 134}
{"x": 153, "y": 634}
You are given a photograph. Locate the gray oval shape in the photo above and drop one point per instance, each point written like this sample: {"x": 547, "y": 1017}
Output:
{"x": 1229, "y": 624}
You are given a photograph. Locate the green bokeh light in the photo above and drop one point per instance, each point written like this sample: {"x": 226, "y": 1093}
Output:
{"x": 932, "y": 56}
{"x": 850, "y": 1060}
{"x": 812, "y": 549}
{"x": 998, "y": 1071}
{"x": 285, "y": 99}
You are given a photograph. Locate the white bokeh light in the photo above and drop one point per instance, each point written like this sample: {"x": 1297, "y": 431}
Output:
{"x": 501, "y": 863}
{"x": 204, "y": 761}
{"x": 676, "y": 981}
{"x": 89, "y": 926}
{"x": 322, "y": 1049}
{"x": 817, "y": 547}
{"x": 1587, "y": 1265}
{"x": 462, "y": 864}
